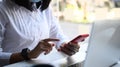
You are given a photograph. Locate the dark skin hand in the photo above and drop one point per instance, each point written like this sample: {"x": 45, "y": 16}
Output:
{"x": 47, "y": 46}
{"x": 43, "y": 46}
{"x": 69, "y": 48}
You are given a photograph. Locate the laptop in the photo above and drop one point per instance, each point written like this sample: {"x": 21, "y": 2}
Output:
{"x": 104, "y": 45}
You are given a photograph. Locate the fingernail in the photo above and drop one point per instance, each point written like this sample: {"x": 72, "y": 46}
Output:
{"x": 59, "y": 49}
{"x": 62, "y": 46}
{"x": 53, "y": 45}
{"x": 45, "y": 53}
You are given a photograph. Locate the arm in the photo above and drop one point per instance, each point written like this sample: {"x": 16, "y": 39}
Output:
{"x": 55, "y": 29}
{"x": 4, "y": 57}
{"x": 56, "y": 32}
{"x": 43, "y": 46}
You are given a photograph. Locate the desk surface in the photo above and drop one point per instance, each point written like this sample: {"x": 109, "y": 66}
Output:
{"x": 58, "y": 59}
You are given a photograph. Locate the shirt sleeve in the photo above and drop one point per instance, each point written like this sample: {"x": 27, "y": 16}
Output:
{"x": 4, "y": 56}
{"x": 55, "y": 29}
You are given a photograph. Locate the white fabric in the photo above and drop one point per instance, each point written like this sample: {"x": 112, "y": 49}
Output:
{"x": 21, "y": 28}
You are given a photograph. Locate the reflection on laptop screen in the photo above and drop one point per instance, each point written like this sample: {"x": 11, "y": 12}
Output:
{"x": 104, "y": 45}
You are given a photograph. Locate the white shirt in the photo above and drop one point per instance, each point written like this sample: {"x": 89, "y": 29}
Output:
{"x": 21, "y": 28}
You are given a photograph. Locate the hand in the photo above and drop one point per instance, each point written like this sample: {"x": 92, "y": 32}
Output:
{"x": 46, "y": 45}
{"x": 69, "y": 48}
{"x": 43, "y": 46}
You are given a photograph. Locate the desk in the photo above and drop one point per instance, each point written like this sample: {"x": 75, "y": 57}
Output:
{"x": 55, "y": 58}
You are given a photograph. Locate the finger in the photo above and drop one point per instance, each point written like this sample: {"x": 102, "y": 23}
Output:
{"x": 50, "y": 39}
{"x": 59, "y": 49}
{"x": 67, "y": 51}
{"x": 74, "y": 45}
{"x": 72, "y": 49}
{"x": 69, "y": 48}
{"x": 45, "y": 46}
{"x": 53, "y": 44}
{"x": 48, "y": 51}
{"x": 83, "y": 40}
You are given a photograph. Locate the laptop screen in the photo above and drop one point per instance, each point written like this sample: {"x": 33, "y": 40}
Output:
{"x": 104, "y": 44}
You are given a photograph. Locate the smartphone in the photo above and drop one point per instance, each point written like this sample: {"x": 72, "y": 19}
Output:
{"x": 79, "y": 38}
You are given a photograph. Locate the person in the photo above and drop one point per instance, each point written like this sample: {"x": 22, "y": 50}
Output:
{"x": 27, "y": 28}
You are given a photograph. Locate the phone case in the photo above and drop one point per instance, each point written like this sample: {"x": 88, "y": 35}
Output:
{"x": 79, "y": 38}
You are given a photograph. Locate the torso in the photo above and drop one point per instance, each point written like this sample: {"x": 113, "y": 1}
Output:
{"x": 24, "y": 29}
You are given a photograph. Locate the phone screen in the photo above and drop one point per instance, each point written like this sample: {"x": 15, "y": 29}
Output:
{"x": 79, "y": 38}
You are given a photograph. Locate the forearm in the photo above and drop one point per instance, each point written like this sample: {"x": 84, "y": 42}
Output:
{"x": 26, "y": 54}
{"x": 16, "y": 57}
{"x": 34, "y": 53}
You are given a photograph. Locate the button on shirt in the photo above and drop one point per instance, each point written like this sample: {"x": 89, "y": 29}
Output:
{"x": 21, "y": 28}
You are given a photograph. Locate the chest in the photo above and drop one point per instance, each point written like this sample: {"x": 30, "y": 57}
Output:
{"x": 28, "y": 24}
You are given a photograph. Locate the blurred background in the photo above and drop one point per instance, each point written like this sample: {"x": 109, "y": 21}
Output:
{"x": 76, "y": 16}
{"x": 86, "y": 11}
